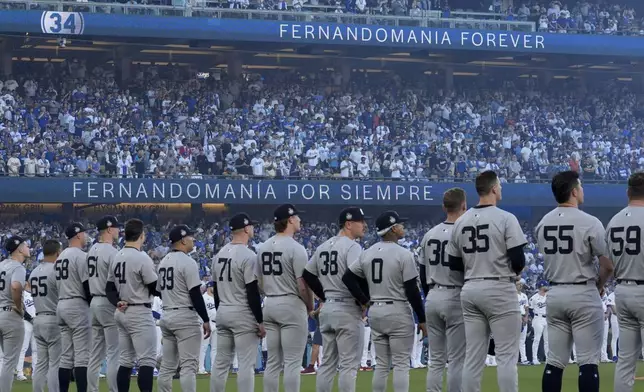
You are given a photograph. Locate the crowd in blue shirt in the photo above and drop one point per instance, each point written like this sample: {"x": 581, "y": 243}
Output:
{"x": 67, "y": 120}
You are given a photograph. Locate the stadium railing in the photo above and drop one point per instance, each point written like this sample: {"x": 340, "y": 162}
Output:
{"x": 307, "y": 178}
{"x": 431, "y": 19}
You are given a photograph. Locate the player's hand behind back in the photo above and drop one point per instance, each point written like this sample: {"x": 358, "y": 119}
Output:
{"x": 261, "y": 331}
{"x": 423, "y": 329}
{"x": 206, "y": 330}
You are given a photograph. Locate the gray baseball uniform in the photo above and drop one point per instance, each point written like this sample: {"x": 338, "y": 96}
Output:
{"x": 12, "y": 329}
{"x": 182, "y": 336}
{"x": 482, "y": 238}
{"x": 132, "y": 271}
{"x": 46, "y": 329}
{"x": 387, "y": 266}
{"x": 341, "y": 322}
{"x": 105, "y": 334}
{"x": 445, "y": 327}
{"x": 281, "y": 261}
{"x": 570, "y": 239}
{"x": 625, "y": 241}
{"x": 232, "y": 269}
{"x": 70, "y": 271}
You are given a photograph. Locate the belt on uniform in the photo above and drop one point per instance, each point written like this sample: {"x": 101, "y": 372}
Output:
{"x": 74, "y": 297}
{"x": 279, "y": 295}
{"x": 495, "y": 278}
{"x": 568, "y": 283}
{"x": 541, "y": 315}
{"x": 178, "y": 308}
{"x": 147, "y": 305}
{"x": 99, "y": 295}
{"x": 442, "y": 286}
{"x": 383, "y": 302}
{"x": 630, "y": 281}
{"x": 46, "y": 314}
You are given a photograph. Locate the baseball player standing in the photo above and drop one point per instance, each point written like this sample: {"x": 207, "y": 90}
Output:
{"x": 209, "y": 300}
{"x": 624, "y": 237}
{"x": 523, "y": 308}
{"x": 604, "y": 349}
{"x": 281, "y": 262}
{"x": 570, "y": 240}
{"x": 180, "y": 287}
{"x": 12, "y": 330}
{"x": 240, "y": 321}
{"x": 392, "y": 280}
{"x": 340, "y": 319}
{"x": 46, "y": 329}
{"x": 539, "y": 324}
{"x": 131, "y": 285}
{"x": 105, "y": 334}
{"x": 30, "y": 313}
{"x": 487, "y": 245}
{"x": 72, "y": 285}
{"x": 614, "y": 325}
{"x": 445, "y": 328}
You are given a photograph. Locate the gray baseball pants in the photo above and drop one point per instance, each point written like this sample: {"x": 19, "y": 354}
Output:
{"x": 47, "y": 336}
{"x": 105, "y": 341}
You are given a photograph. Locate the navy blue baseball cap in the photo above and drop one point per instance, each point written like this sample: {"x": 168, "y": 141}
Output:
{"x": 352, "y": 214}
{"x": 387, "y": 220}
{"x": 107, "y": 221}
{"x": 240, "y": 221}
{"x": 180, "y": 232}
{"x": 285, "y": 211}
{"x": 13, "y": 243}
{"x": 73, "y": 229}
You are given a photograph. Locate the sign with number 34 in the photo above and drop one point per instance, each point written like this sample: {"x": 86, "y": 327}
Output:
{"x": 62, "y": 23}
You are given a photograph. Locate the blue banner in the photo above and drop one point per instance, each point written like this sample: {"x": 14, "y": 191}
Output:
{"x": 231, "y": 30}
{"x": 394, "y": 193}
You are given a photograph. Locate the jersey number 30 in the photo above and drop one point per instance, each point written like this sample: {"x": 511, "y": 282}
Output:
{"x": 272, "y": 263}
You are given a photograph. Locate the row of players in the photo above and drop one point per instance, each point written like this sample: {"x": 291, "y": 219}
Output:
{"x": 470, "y": 264}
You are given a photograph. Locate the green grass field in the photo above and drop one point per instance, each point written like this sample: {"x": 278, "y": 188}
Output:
{"x": 529, "y": 381}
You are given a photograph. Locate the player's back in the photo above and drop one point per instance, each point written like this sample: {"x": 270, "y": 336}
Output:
{"x": 70, "y": 272}
{"x": 331, "y": 260}
{"x": 99, "y": 259}
{"x": 569, "y": 240}
{"x": 10, "y": 271}
{"x": 43, "y": 290}
{"x": 281, "y": 261}
{"x": 178, "y": 273}
{"x": 387, "y": 266}
{"x": 625, "y": 242}
{"x": 484, "y": 235}
{"x": 232, "y": 269}
{"x": 433, "y": 254}
{"x": 131, "y": 272}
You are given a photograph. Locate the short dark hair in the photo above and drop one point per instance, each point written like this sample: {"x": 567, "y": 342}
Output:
{"x": 563, "y": 183}
{"x": 281, "y": 225}
{"x": 50, "y": 247}
{"x": 636, "y": 186}
{"x": 453, "y": 199}
{"x": 485, "y": 182}
{"x": 133, "y": 230}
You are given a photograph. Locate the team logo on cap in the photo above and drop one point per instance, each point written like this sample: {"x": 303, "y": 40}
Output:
{"x": 349, "y": 216}
{"x": 392, "y": 220}
{"x": 246, "y": 222}
{"x": 77, "y": 229}
{"x": 16, "y": 242}
{"x": 183, "y": 233}
{"x": 109, "y": 223}
{"x": 290, "y": 211}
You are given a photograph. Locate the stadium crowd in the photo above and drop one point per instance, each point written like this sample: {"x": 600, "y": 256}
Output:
{"x": 67, "y": 120}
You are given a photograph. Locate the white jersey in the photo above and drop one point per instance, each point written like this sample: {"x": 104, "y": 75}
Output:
{"x": 209, "y": 300}
{"x": 538, "y": 304}
{"x": 523, "y": 302}
{"x": 605, "y": 303}
{"x": 28, "y": 301}
{"x": 610, "y": 300}
{"x": 157, "y": 305}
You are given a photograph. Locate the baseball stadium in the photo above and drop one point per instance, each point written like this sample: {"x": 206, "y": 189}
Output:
{"x": 183, "y": 128}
